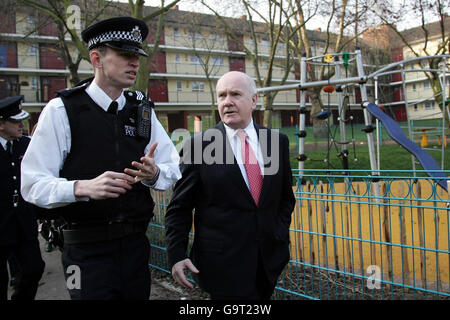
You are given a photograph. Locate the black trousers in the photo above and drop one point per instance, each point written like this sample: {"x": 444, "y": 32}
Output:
{"x": 108, "y": 270}
{"x": 31, "y": 265}
{"x": 262, "y": 290}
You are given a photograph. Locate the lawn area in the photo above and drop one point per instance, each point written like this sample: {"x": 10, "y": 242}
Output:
{"x": 392, "y": 155}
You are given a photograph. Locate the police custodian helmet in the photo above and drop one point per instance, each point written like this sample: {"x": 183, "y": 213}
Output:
{"x": 122, "y": 33}
{"x": 10, "y": 109}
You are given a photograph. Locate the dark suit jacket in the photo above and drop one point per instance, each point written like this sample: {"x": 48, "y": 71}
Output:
{"x": 16, "y": 223}
{"x": 230, "y": 229}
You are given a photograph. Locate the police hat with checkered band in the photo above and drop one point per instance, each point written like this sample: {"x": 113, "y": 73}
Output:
{"x": 10, "y": 109}
{"x": 122, "y": 33}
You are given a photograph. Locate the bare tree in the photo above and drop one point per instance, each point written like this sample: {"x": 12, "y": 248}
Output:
{"x": 92, "y": 11}
{"x": 272, "y": 30}
{"x": 58, "y": 12}
{"x": 148, "y": 15}
{"x": 341, "y": 29}
{"x": 206, "y": 39}
{"x": 429, "y": 32}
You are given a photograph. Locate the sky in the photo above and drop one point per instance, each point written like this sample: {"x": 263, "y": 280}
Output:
{"x": 234, "y": 11}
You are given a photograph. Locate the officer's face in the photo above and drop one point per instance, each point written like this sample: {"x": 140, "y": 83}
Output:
{"x": 11, "y": 130}
{"x": 118, "y": 68}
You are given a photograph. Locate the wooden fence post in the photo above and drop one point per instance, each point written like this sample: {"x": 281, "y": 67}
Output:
{"x": 324, "y": 227}
{"x": 421, "y": 236}
{"x": 403, "y": 240}
{"x": 387, "y": 234}
{"x": 311, "y": 240}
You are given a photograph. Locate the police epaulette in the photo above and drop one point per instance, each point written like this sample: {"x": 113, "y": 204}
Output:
{"x": 135, "y": 95}
{"x": 68, "y": 91}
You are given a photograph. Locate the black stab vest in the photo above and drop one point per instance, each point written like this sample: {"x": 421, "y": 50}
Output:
{"x": 103, "y": 142}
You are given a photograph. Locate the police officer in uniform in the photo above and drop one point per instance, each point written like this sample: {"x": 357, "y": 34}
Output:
{"x": 95, "y": 152}
{"x": 18, "y": 224}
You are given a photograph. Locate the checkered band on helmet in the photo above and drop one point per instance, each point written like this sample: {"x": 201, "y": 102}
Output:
{"x": 133, "y": 36}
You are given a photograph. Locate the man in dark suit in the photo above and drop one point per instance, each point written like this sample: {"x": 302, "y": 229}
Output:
{"x": 238, "y": 179}
{"x": 18, "y": 224}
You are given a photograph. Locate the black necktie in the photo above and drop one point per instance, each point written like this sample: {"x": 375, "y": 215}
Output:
{"x": 113, "y": 107}
{"x": 9, "y": 147}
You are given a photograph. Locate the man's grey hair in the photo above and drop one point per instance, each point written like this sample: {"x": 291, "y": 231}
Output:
{"x": 250, "y": 81}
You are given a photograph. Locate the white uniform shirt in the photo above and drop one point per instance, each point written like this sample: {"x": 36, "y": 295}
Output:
{"x": 235, "y": 143}
{"x": 50, "y": 145}
{"x": 3, "y": 142}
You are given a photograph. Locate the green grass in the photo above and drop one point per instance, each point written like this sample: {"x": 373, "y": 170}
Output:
{"x": 392, "y": 157}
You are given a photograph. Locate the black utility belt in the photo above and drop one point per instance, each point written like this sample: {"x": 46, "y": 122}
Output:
{"x": 112, "y": 231}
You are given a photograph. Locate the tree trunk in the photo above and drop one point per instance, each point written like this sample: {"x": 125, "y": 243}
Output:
{"x": 319, "y": 126}
{"x": 267, "y": 117}
{"x": 74, "y": 78}
{"x": 436, "y": 86}
{"x": 143, "y": 73}
{"x": 213, "y": 105}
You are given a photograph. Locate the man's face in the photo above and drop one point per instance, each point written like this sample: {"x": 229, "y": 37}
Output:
{"x": 11, "y": 130}
{"x": 235, "y": 102}
{"x": 118, "y": 68}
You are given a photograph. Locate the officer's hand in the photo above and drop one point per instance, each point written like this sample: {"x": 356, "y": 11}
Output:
{"x": 107, "y": 185}
{"x": 178, "y": 272}
{"x": 147, "y": 170}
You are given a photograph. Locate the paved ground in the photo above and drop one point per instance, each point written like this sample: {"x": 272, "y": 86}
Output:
{"x": 53, "y": 285}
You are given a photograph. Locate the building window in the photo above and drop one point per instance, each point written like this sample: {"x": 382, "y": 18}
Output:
{"x": 31, "y": 20}
{"x": 195, "y": 60}
{"x": 179, "y": 86}
{"x": 429, "y": 105}
{"x": 426, "y": 84}
{"x": 416, "y": 108}
{"x": 216, "y": 37}
{"x": 33, "y": 50}
{"x": 197, "y": 86}
{"x": 217, "y": 61}
{"x": 34, "y": 83}
{"x": 177, "y": 58}
{"x": 176, "y": 33}
{"x": 414, "y": 87}
{"x": 265, "y": 43}
{"x": 195, "y": 36}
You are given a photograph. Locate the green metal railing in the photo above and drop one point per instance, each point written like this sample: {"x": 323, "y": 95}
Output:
{"x": 356, "y": 236}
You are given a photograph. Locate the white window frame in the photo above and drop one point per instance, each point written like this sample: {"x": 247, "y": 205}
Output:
{"x": 34, "y": 83}
{"x": 198, "y": 86}
{"x": 217, "y": 61}
{"x": 32, "y": 51}
{"x": 177, "y": 58}
{"x": 195, "y": 60}
{"x": 195, "y": 36}
{"x": 429, "y": 105}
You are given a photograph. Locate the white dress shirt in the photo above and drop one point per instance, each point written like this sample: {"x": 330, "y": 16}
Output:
{"x": 50, "y": 145}
{"x": 235, "y": 143}
{"x": 3, "y": 142}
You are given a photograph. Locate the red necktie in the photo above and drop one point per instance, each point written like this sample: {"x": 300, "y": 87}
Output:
{"x": 255, "y": 179}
